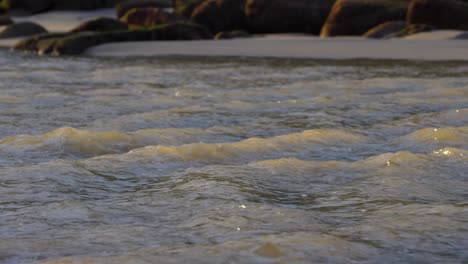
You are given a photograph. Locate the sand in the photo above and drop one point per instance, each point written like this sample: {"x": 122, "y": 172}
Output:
{"x": 295, "y": 47}
{"x": 60, "y": 21}
{"x": 433, "y": 46}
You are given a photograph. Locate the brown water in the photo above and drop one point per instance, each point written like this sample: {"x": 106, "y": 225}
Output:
{"x": 190, "y": 160}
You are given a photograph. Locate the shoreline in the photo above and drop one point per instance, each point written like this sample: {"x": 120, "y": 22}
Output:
{"x": 441, "y": 45}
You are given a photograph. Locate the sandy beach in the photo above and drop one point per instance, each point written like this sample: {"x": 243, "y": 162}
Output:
{"x": 295, "y": 47}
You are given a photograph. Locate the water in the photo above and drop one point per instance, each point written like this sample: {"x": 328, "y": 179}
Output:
{"x": 192, "y": 160}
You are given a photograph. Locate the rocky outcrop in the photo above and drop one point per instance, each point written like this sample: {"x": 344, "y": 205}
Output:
{"x": 386, "y": 30}
{"x": 278, "y": 16}
{"x": 73, "y": 44}
{"x": 355, "y": 17}
{"x": 220, "y": 15}
{"x": 102, "y": 24}
{"x": 21, "y": 30}
{"x": 148, "y": 17}
{"x": 123, "y": 7}
{"x": 443, "y": 14}
{"x": 38, "y": 6}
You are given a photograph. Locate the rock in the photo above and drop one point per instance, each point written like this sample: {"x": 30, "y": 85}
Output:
{"x": 38, "y": 6}
{"x": 73, "y": 44}
{"x": 414, "y": 29}
{"x": 123, "y": 7}
{"x": 355, "y": 17}
{"x": 233, "y": 34}
{"x": 185, "y": 7}
{"x": 101, "y": 25}
{"x": 32, "y": 43}
{"x": 443, "y": 14}
{"x": 21, "y": 30}
{"x": 282, "y": 16}
{"x": 220, "y": 15}
{"x": 386, "y": 30}
{"x": 148, "y": 17}
{"x": 5, "y": 20}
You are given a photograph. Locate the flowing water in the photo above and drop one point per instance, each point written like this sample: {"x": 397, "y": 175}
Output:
{"x": 225, "y": 160}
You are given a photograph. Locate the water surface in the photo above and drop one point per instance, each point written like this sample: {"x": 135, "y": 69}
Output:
{"x": 231, "y": 160}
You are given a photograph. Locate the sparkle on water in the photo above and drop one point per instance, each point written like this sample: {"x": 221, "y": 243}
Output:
{"x": 231, "y": 160}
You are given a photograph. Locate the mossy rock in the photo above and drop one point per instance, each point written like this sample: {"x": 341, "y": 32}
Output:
{"x": 355, "y": 17}
{"x": 73, "y": 44}
{"x": 102, "y": 24}
{"x": 123, "y": 7}
{"x": 21, "y": 30}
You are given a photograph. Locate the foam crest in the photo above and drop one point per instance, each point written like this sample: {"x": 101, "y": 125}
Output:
{"x": 252, "y": 148}
{"x": 68, "y": 141}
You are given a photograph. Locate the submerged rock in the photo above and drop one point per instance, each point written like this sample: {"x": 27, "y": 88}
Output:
{"x": 21, "y": 30}
{"x": 101, "y": 25}
{"x": 73, "y": 44}
{"x": 280, "y": 16}
{"x": 220, "y": 15}
{"x": 148, "y": 17}
{"x": 123, "y": 7}
{"x": 386, "y": 30}
{"x": 355, "y": 17}
{"x": 444, "y": 14}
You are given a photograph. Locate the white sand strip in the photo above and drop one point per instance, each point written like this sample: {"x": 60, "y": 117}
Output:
{"x": 294, "y": 47}
{"x": 60, "y": 21}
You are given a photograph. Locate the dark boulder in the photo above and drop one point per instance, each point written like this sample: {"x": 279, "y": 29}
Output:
{"x": 21, "y": 30}
{"x": 5, "y": 20}
{"x": 148, "y": 17}
{"x": 355, "y": 17}
{"x": 123, "y": 7}
{"x": 185, "y": 7}
{"x": 220, "y": 15}
{"x": 73, "y": 44}
{"x": 233, "y": 34}
{"x": 281, "y": 16}
{"x": 386, "y": 30}
{"x": 443, "y": 14}
{"x": 101, "y": 25}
